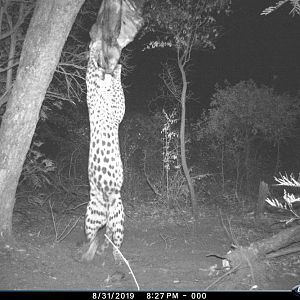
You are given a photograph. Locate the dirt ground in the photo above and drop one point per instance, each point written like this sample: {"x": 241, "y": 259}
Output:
{"x": 164, "y": 248}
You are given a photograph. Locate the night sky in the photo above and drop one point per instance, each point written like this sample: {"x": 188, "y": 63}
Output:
{"x": 264, "y": 48}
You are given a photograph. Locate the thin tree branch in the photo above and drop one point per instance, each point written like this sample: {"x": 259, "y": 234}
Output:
{"x": 20, "y": 21}
{"x": 9, "y": 67}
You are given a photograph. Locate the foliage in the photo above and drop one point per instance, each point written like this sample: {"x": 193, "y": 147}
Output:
{"x": 166, "y": 179}
{"x": 170, "y": 138}
{"x": 66, "y": 137}
{"x": 183, "y": 24}
{"x": 150, "y": 150}
{"x": 14, "y": 20}
{"x": 138, "y": 134}
{"x": 67, "y": 86}
{"x": 169, "y": 91}
{"x": 289, "y": 198}
{"x": 243, "y": 115}
{"x": 37, "y": 167}
{"x": 68, "y": 82}
{"x": 172, "y": 177}
{"x": 294, "y": 3}
{"x": 246, "y": 111}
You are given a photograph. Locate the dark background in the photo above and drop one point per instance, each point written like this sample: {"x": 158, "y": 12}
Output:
{"x": 264, "y": 48}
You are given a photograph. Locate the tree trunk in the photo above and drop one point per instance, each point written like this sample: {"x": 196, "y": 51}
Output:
{"x": 182, "y": 140}
{"x": 263, "y": 193}
{"x": 271, "y": 247}
{"x": 46, "y": 35}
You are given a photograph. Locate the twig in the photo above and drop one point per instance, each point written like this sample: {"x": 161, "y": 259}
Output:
{"x": 156, "y": 192}
{"x": 229, "y": 234}
{"x": 53, "y": 220}
{"x": 249, "y": 264}
{"x": 61, "y": 237}
{"x": 220, "y": 278}
{"x": 162, "y": 237}
{"x": 215, "y": 255}
{"x": 284, "y": 252}
{"x": 9, "y": 67}
{"x": 4, "y": 97}
{"x": 165, "y": 240}
{"x": 75, "y": 207}
{"x": 125, "y": 260}
{"x": 224, "y": 226}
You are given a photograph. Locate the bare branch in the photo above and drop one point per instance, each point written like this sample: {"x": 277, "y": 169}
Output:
{"x": 169, "y": 78}
{"x": 21, "y": 18}
{"x": 4, "y": 97}
{"x": 9, "y": 67}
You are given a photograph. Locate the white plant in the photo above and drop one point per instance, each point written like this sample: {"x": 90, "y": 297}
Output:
{"x": 284, "y": 180}
{"x": 289, "y": 198}
{"x": 294, "y": 3}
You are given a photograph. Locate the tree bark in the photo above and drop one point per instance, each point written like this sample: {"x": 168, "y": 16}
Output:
{"x": 263, "y": 193}
{"x": 46, "y": 35}
{"x": 270, "y": 247}
{"x": 182, "y": 139}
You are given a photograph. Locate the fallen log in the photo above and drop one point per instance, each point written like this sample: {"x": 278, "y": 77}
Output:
{"x": 267, "y": 247}
{"x": 248, "y": 263}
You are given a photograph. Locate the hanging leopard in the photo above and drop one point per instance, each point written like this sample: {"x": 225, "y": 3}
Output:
{"x": 117, "y": 23}
{"x": 106, "y": 105}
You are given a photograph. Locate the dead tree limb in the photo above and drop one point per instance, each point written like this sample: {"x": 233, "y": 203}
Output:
{"x": 267, "y": 248}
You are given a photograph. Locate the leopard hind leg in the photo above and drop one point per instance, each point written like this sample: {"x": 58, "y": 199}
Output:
{"x": 96, "y": 218}
{"x": 116, "y": 224}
